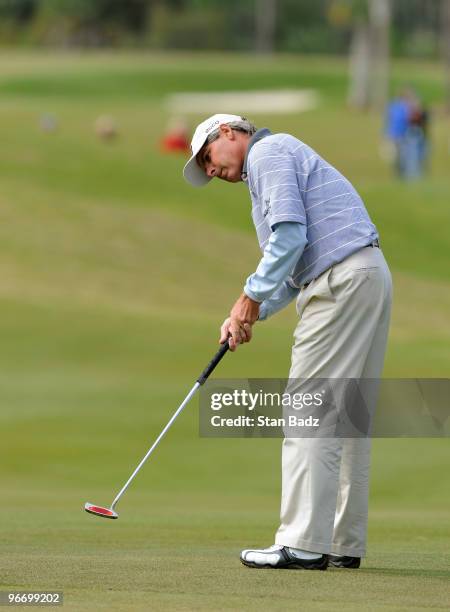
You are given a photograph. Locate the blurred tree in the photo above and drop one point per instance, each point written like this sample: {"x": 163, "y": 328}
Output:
{"x": 303, "y": 28}
{"x": 416, "y": 27}
{"x": 265, "y": 22}
{"x": 90, "y": 23}
{"x": 445, "y": 44}
{"x": 369, "y": 52}
{"x": 297, "y": 26}
{"x": 360, "y": 55}
{"x": 379, "y": 19}
{"x": 15, "y": 16}
{"x": 18, "y": 10}
{"x": 188, "y": 24}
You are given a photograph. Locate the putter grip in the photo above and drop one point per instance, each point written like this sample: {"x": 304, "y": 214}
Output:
{"x": 212, "y": 364}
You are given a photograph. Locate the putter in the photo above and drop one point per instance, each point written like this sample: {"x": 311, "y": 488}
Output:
{"x": 111, "y": 511}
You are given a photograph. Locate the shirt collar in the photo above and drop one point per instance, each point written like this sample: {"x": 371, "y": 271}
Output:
{"x": 258, "y": 135}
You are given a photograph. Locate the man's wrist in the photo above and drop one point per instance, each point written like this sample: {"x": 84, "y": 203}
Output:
{"x": 251, "y": 296}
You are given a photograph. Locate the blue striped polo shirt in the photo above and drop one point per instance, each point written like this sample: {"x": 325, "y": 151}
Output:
{"x": 289, "y": 181}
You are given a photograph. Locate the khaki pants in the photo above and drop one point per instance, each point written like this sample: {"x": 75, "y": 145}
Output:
{"x": 342, "y": 333}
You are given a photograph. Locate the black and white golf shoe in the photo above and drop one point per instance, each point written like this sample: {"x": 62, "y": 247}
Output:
{"x": 346, "y": 562}
{"x": 280, "y": 557}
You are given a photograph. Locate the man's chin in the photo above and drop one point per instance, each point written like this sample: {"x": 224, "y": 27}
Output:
{"x": 231, "y": 179}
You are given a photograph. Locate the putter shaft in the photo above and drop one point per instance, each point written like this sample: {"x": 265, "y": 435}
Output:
{"x": 155, "y": 444}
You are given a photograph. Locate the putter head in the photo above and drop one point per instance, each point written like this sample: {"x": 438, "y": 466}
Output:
{"x": 100, "y": 511}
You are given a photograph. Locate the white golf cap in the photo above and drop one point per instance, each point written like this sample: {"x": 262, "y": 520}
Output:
{"x": 192, "y": 171}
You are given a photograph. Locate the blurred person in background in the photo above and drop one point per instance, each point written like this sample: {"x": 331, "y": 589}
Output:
{"x": 176, "y": 137}
{"x": 417, "y": 142}
{"x": 407, "y": 129}
{"x": 397, "y": 122}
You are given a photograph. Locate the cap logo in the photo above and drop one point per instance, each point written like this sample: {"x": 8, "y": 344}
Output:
{"x": 210, "y": 127}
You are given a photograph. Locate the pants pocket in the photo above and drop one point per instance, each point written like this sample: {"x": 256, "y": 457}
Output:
{"x": 319, "y": 289}
{"x": 353, "y": 279}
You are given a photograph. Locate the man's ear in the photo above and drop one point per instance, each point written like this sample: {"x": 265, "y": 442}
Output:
{"x": 226, "y": 131}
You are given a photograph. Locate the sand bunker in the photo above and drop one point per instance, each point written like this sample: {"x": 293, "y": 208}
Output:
{"x": 251, "y": 102}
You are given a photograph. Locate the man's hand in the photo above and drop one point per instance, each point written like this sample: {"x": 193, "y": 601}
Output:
{"x": 239, "y": 324}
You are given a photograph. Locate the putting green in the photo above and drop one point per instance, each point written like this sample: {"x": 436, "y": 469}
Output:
{"x": 114, "y": 278}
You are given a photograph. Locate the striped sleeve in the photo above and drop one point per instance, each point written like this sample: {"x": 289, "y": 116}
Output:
{"x": 274, "y": 179}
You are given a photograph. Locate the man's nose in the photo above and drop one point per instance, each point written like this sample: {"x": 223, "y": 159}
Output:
{"x": 210, "y": 170}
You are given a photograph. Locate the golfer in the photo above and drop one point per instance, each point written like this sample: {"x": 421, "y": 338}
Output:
{"x": 320, "y": 247}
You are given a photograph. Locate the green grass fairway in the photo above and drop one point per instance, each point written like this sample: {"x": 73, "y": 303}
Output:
{"x": 115, "y": 277}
